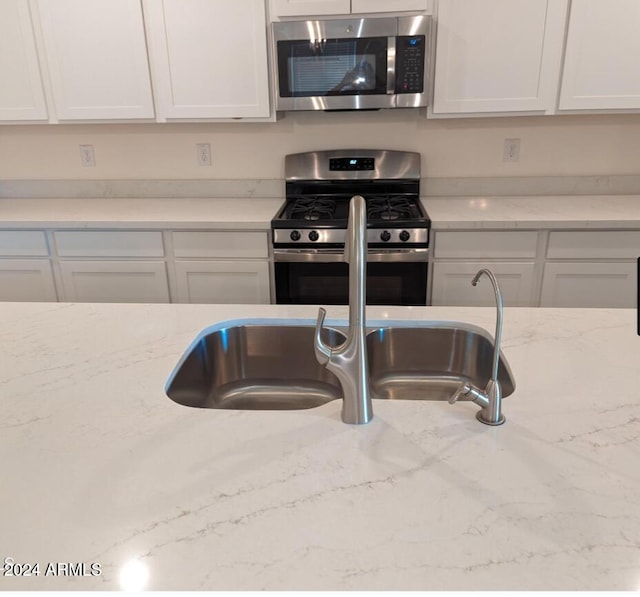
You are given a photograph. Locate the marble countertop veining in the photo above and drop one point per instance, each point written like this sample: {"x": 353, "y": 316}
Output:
{"x": 100, "y": 467}
{"x": 585, "y": 211}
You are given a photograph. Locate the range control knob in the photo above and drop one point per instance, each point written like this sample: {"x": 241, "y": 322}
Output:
{"x": 404, "y": 236}
{"x": 385, "y": 236}
{"x": 313, "y": 236}
{"x": 295, "y": 235}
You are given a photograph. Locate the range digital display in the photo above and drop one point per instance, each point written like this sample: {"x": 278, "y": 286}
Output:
{"x": 351, "y": 163}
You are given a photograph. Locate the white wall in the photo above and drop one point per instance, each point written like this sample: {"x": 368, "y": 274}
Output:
{"x": 550, "y": 146}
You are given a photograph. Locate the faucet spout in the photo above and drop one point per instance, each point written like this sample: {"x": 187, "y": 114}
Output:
{"x": 499, "y": 310}
{"x": 489, "y": 400}
{"x": 349, "y": 360}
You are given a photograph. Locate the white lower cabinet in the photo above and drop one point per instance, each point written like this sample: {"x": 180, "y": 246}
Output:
{"x": 591, "y": 268}
{"x": 25, "y": 267}
{"x": 26, "y": 280}
{"x": 221, "y": 266}
{"x": 222, "y": 282}
{"x": 115, "y": 281}
{"x": 451, "y": 284}
{"x": 607, "y": 284}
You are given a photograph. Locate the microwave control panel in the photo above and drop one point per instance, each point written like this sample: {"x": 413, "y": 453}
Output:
{"x": 410, "y": 51}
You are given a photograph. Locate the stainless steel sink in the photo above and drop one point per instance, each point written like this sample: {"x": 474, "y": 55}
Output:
{"x": 255, "y": 367}
{"x": 273, "y": 367}
{"x": 429, "y": 363}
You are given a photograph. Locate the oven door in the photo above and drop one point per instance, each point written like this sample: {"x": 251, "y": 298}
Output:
{"x": 334, "y": 64}
{"x": 322, "y": 278}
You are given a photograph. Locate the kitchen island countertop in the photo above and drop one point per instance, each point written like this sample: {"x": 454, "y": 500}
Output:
{"x": 100, "y": 467}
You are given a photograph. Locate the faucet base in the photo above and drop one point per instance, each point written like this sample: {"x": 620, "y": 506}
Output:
{"x": 480, "y": 418}
{"x": 363, "y": 420}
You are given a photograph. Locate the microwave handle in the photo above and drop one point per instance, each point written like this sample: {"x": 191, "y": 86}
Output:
{"x": 391, "y": 65}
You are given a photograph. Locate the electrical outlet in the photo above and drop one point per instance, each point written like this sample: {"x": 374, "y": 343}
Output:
{"x": 511, "y": 151}
{"x": 203, "y": 153}
{"x": 87, "y": 156}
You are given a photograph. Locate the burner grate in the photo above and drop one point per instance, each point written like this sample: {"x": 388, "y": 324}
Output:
{"x": 313, "y": 209}
{"x": 390, "y": 208}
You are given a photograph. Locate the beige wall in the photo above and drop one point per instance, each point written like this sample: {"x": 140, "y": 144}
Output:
{"x": 550, "y": 146}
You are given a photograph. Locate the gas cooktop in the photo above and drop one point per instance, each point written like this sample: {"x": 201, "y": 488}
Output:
{"x": 319, "y": 186}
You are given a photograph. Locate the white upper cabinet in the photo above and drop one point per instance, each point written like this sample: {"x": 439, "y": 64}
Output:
{"x": 360, "y": 6}
{"x": 21, "y": 93}
{"x": 96, "y": 58}
{"x": 498, "y": 55}
{"x": 293, "y": 8}
{"x": 208, "y": 58}
{"x": 602, "y": 66}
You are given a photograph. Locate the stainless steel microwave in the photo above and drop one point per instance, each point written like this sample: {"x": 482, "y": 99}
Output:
{"x": 351, "y": 64}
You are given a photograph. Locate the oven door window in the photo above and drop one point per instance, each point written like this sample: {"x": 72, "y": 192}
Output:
{"x": 328, "y": 283}
{"x": 332, "y": 67}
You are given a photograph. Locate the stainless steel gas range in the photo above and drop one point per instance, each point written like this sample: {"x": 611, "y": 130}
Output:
{"x": 309, "y": 231}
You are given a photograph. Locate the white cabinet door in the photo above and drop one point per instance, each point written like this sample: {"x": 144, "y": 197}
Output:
{"x": 223, "y": 282}
{"x": 578, "y": 284}
{"x": 451, "y": 284}
{"x": 115, "y": 281}
{"x": 360, "y": 6}
{"x": 97, "y": 59}
{"x": 21, "y": 92}
{"x": 498, "y": 55}
{"x": 208, "y": 58}
{"x": 26, "y": 280}
{"x": 601, "y": 67}
{"x": 289, "y": 8}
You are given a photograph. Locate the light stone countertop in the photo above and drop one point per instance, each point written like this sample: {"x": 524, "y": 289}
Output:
{"x": 564, "y": 212}
{"x": 100, "y": 467}
{"x": 585, "y": 211}
{"x": 197, "y": 213}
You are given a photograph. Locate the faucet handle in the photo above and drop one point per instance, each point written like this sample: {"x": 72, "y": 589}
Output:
{"x": 323, "y": 352}
{"x": 463, "y": 389}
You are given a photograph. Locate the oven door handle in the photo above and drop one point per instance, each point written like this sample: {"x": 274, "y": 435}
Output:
{"x": 336, "y": 255}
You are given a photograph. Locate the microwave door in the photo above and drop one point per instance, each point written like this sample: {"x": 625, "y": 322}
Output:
{"x": 317, "y": 73}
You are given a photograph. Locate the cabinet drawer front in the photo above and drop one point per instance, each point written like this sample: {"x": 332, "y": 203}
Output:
{"x": 613, "y": 244}
{"x": 220, "y": 244}
{"x": 74, "y": 243}
{"x": 27, "y": 243}
{"x": 495, "y": 245}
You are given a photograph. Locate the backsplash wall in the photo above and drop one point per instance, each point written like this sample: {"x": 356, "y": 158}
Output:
{"x": 606, "y": 145}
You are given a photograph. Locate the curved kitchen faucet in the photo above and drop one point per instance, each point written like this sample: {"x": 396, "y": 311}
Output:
{"x": 489, "y": 401}
{"x": 348, "y": 361}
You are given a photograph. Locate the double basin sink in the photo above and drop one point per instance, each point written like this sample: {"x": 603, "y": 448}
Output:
{"x": 273, "y": 367}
